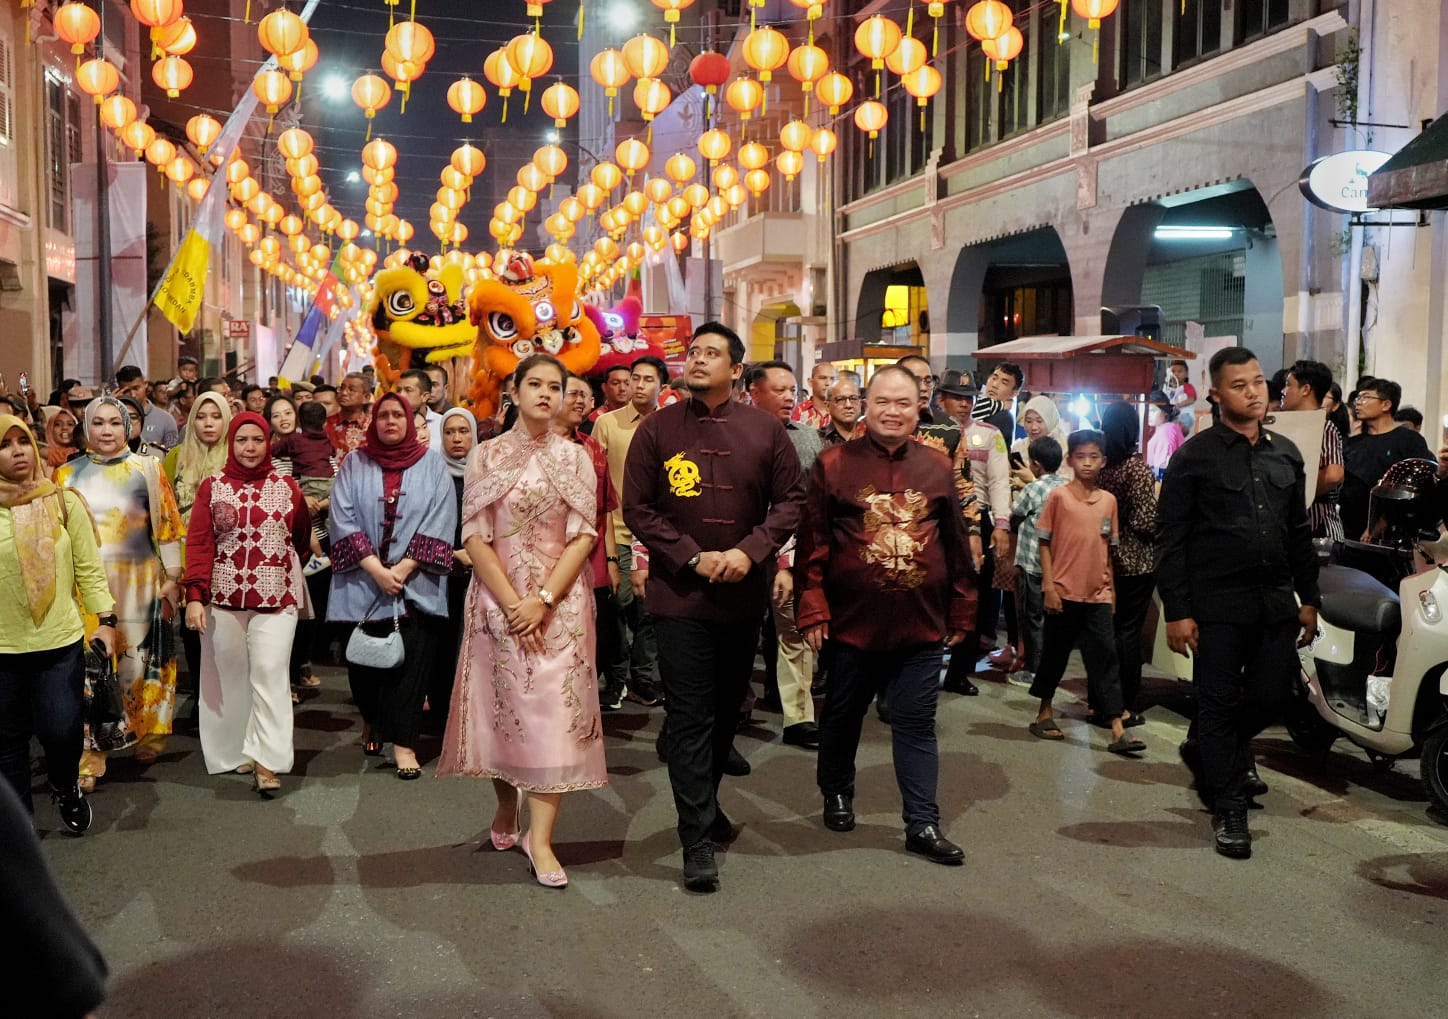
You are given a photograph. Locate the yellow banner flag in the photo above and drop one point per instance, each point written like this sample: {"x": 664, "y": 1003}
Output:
{"x": 179, "y": 296}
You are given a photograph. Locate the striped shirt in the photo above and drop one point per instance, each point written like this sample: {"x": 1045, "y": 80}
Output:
{"x": 1322, "y": 515}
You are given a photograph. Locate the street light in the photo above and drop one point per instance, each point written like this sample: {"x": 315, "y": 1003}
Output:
{"x": 623, "y": 16}
{"x": 335, "y": 87}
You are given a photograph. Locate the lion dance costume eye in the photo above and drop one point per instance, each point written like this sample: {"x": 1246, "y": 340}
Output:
{"x": 420, "y": 319}
{"x": 517, "y": 314}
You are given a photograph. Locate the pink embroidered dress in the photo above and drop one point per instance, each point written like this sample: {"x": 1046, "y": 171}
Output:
{"x": 530, "y": 720}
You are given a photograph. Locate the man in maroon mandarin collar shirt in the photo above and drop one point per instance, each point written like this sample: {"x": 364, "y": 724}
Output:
{"x": 712, "y": 488}
{"x": 884, "y": 572}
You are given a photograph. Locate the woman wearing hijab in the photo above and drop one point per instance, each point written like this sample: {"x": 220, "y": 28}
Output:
{"x": 201, "y": 454}
{"x": 247, "y": 528}
{"x": 525, "y": 709}
{"x": 457, "y": 434}
{"x": 47, "y": 552}
{"x": 393, "y": 521}
{"x": 139, "y": 529}
{"x": 60, "y": 439}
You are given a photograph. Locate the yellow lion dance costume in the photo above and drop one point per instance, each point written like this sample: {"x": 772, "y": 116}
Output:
{"x": 419, "y": 318}
{"x": 528, "y": 308}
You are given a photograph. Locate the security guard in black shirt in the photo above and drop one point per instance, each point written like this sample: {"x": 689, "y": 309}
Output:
{"x": 1238, "y": 580}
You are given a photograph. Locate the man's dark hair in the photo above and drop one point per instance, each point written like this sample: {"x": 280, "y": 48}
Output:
{"x": 915, "y": 357}
{"x": 423, "y": 378}
{"x": 1225, "y": 357}
{"x": 209, "y": 384}
{"x": 736, "y": 345}
{"x": 128, "y": 373}
{"x": 1411, "y": 416}
{"x": 658, "y": 365}
{"x": 1276, "y": 386}
{"x": 366, "y": 368}
{"x": 438, "y": 368}
{"x": 323, "y": 387}
{"x": 1175, "y": 361}
{"x": 618, "y": 368}
{"x": 1046, "y": 451}
{"x": 755, "y": 373}
{"x": 1014, "y": 370}
{"x": 1388, "y": 390}
{"x": 1085, "y": 437}
{"x": 312, "y": 415}
{"x": 1315, "y": 375}
{"x": 1121, "y": 430}
{"x": 248, "y": 389}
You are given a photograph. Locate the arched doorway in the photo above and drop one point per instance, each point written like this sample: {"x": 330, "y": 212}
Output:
{"x": 771, "y": 336}
{"x": 893, "y": 308}
{"x": 1008, "y": 288}
{"x": 1207, "y": 256}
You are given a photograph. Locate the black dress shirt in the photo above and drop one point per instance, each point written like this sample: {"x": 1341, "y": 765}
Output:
{"x": 1234, "y": 543}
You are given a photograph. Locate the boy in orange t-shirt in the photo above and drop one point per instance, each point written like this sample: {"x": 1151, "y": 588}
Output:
{"x": 1077, "y": 528}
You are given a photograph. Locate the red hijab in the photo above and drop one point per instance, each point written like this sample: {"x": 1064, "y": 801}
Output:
{"x": 234, "y": 468}
{"x": 401, "y": 455}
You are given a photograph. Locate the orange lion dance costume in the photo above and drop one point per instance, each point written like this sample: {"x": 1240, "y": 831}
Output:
{"x": 529, "y": 308}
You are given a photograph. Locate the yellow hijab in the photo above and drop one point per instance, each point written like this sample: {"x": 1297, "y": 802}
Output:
{"x": 196, "y": 461}
{"x": 35, "y": 524}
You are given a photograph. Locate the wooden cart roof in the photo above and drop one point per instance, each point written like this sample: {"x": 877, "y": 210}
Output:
{"x": 1029, "y": 348}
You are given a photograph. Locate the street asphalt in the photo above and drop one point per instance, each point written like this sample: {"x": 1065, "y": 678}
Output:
{"x": 1090, "y": 888}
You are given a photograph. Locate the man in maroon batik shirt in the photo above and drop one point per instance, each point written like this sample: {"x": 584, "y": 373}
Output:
{"x": 712, "y": 488}
{"x": 885, "y": 574}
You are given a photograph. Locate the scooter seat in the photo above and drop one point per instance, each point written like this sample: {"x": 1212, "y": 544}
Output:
{"x": 1357, "y": 602}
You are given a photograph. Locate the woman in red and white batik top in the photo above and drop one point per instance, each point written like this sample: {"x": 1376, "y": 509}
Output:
{"x": 248, "y": 526}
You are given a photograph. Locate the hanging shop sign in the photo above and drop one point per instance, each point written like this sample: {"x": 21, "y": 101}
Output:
{"x": 1339, "y": 182}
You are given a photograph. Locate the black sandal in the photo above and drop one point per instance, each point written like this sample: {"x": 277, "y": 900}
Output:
{"x": 372, "y": 747}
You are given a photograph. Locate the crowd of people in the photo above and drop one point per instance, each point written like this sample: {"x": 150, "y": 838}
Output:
{"x": 514, "y": 578}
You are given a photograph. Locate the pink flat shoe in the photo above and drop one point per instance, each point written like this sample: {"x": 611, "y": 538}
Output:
{"x": 502, "y": 840}
{"x": 548, "y": 879}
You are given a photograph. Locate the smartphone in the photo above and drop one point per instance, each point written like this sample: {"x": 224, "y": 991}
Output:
{"x": 1017, "y": 461}
{"x": 25, "y": 383}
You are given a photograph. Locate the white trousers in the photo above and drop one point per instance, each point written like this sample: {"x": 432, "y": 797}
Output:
{"x": 245, "y": 689}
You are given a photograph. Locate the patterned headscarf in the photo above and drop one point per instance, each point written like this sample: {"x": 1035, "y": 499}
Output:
{"x": 34, "y": 522}
{"x": 90, "y": 411}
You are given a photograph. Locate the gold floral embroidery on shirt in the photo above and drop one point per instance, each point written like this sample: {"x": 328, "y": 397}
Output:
{"x": 892, "y": 525}
{"x": 684, "y": 476}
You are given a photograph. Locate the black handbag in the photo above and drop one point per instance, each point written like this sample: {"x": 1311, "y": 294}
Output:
{"x": 105, "y": 712}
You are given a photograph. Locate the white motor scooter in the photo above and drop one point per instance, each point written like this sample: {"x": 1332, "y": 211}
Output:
{"x": 1376, "y": 671}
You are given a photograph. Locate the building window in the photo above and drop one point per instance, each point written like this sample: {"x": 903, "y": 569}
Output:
{"x": 1053, "y": 97}
{"x": 9, "y": 166}
{"x": 1198, "y": 30}
{"x": 1260, "y": 17}
{"x": 57, "y": 152}
{"x": 1033, "y": 90}
{"x": 1141, "y": 27}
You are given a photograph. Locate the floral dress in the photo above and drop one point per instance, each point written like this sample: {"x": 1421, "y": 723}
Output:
{"x": 140, "y": 529}
{"x": 530, "y": 720}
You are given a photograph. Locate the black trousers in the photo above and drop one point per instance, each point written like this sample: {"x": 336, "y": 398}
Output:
{"x": 705, "y": 667}
{"x": 390, "y": 700}
{"x": 607, "y": 650}
{"x": 1090, "y": 623}
{"x": 42, "y": 693}
{"x": 1243, "y": 675}
{"x": 1133, "y": 598}
{"x": 912, "y": 676}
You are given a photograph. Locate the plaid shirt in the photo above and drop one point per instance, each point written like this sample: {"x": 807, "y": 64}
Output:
{"x": 1028, "y": 507}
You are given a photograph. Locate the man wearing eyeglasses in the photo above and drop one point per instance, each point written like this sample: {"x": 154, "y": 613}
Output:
{"x": 1367, "y": 455}
{"x": 842, "y": 402}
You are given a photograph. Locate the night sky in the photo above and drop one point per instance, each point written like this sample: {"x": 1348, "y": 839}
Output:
{"x": 350, "y": 38}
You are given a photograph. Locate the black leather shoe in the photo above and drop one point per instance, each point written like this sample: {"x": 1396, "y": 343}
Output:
{"x": 805, "y": 735}
{"x": 701, "y": 873}
{"x": 1232, "y": 837}
{"x": 736, "y": 765}
{"x": 839, "y": 812}
{"x": 960, "y": 685}
{"x": 1252, "y": 784}
{"x": 935, "y": 847}
{"x": 75, "y": 809}
{"x": 882, "y": 711}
